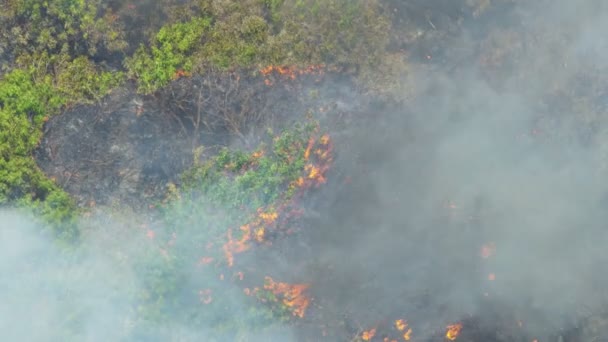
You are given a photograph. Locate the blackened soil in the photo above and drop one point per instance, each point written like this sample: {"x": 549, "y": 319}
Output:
{"x": 125, "y": 149}
{"x": 122, "y": 150}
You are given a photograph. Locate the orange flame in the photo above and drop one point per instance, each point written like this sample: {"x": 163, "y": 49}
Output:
{"x": 268, "y": 217}
{"x": 236, "y": 246}
{"x": 368, "y": 334}
{"x": 292, "y": 295}
{"x": 318, "y": 154}
{"x": 453, "y": 330}
{"x": 319, "y": 158}
{"x": 403, "y": 326}
{"x": 324, "y": 139}
{"x": 258, "y": 154}
{"x": 259, "y": 234}
{"x": 311, "y": 143}
{"x": 291, "y": 72}
{"x": 181, "y": 73}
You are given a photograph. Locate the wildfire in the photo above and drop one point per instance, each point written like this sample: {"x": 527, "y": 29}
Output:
{"x": 368, "y": 334}
{"x": 311, "y": 143}
{"x": 268, "y": 217}
{"x": 259, "y": 234}
{"x": 236, "y": 246}
{"x": 181, "y": 73}
{"x": 255, "y": 229}
{"x": 258, "y": 154}
{"x": 317, "y": 167}
{"x": 403, "y": 326}
{"x": 291, "y": 72}
{"x": 314, "y": 173}
{"x": 324, "y": 139}
{"x": 453, "y": 330}
{"x": 292, "y": 295}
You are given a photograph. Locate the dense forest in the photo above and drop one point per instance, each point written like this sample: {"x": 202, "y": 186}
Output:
{"x": 303, "y": 170}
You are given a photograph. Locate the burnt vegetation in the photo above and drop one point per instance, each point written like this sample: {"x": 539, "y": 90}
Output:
{"x": 316, "y": 170}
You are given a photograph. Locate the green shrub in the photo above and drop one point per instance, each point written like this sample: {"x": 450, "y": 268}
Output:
{"x": 27, "y": 98}
{"x": 75, "y": 27}
{"x": 170, "y": 51}
{"x": 250, "y": 34}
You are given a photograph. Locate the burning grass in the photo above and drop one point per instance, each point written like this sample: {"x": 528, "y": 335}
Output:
{"x": 268, "y": 184}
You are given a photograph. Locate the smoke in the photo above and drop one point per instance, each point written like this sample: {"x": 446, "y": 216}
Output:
{"x": 50, "y": 295}
{"x": 505, "y": 149}
{"x": 101, "y": 290}
{"x": 501, "y": 146}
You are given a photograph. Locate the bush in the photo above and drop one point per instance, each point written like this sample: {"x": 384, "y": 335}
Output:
{"x": 28, "y": 97}
{"x": 75, "y": 27}
{"x": 231, "y": 34}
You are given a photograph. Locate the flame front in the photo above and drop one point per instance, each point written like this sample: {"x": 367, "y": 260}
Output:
{"x": 291, "y": 72}
{"x": 453, "y": 330}
{"x": 236, "y": 246}
{"x": 316, "y": 167}
{"x": 292, "y": 295}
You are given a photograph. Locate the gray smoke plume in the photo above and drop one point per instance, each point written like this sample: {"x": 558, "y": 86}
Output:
{"x": 504, "y": 149}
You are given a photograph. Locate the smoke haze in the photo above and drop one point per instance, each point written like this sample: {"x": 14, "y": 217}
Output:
{"x": 482, "y": 196}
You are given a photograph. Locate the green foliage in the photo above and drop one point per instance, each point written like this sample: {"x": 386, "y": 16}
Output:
{"x": 157, "y": 66}
{"x": 353, "y": 35}
{"x": 238, "y": 40}
{"x": 273, "y": 7}
{"x": 27, "y": 98}
{"x": 75, "y": 80}
{"x": 253, "y": 33}
{"x": 234, "y": 179}
{"x": 19, "y": 93}
{"x": 222, "y": 192}
{"x": 74, "y": 27}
